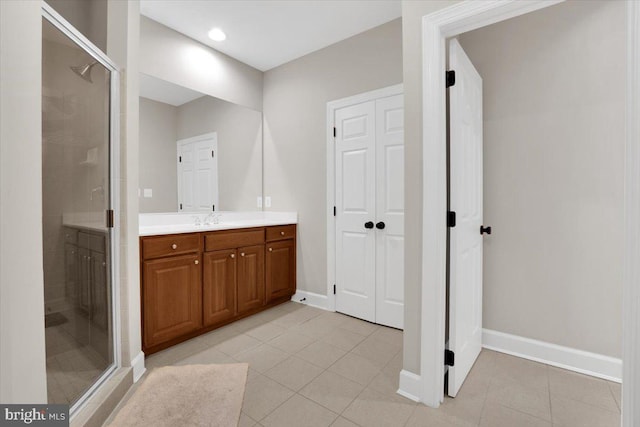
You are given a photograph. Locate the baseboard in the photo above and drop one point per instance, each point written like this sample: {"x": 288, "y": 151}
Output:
{"x": 311, "y": 299}
{"x": 138, "y": 366}
{"x": 584, "y": 362}
{"x": 410, "y": 384}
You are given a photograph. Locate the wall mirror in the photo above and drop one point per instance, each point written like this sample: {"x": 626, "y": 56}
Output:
{"x": 198, "y": 153}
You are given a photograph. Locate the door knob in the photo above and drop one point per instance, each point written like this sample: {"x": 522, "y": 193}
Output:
{"x": 232, "y": 255}
{"x": 174, "y": 246}
{"x": 368, "y": 224}
{"x": 270, "y": 249}
{"x": 196, "y": 262}
{"x": 241, "y": 253}
{"x": 380, "y": 225}
{"x": 484, "y": 230}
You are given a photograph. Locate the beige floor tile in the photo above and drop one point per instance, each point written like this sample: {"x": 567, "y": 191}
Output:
{"x": 319, "y": 326}
{"x": 466, "y": 408}
{"x": 332, "y": 391}
{"x": 262, "y": 395}
{"x": 583, "y": 388}
{"x": 246, "y": 421}
{"x": 343, "y": 422}
{"x": 294, "y": 373}
{"x": 262, "y": 358}
{"x": 266, "y": 332}
{"x": 356, "y": 368}
{"x": 237, "y": 344}
{"x": 385, "y": 383}
{"x": 495, "y": 415}
{"x": 299, "y": 412}
{"x": 210, "y": 355}
{"x": 378, "y": 351}
{"x": 521, "y": 398}
{"x": 374, "y": 409}
{"x": 321, "y": 354}
{"x": 616, "y": 390}
{"x": 425, "y": 416}
{"x": 510, "y": 368}
{"x": 570, "y": 413}
{"x": 343, "y": 339}
{"x": 358, "y": 326}
{"x": 390, "y": 335}
{"x": 291, "y": 342}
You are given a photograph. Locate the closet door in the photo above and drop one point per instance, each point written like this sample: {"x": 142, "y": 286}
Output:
{"x": 390, "y": 211}
{"x": 355, "y": 165}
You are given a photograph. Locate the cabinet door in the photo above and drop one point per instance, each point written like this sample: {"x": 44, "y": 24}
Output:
{"x": 250, "y": 278}
{"x": 172, "y": 298}
{"x": 71, "y": 271}
{"x": 219, "y": 286}
{"x": 84, "y": 280}
{"x": 281, "y": 269}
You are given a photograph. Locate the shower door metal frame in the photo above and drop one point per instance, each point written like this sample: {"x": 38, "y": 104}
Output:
{"x": 85, "y": 44}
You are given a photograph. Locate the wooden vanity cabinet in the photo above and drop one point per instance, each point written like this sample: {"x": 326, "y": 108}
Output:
{"x": 280, "y": 262}
{"x": 195, "y": 282}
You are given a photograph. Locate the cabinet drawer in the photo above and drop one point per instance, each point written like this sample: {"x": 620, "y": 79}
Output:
{"x": 281, "y": 232}
{"x": 233, "y": 239}
{"x": 155, "y": 247}
{"x": 96, "y": 243}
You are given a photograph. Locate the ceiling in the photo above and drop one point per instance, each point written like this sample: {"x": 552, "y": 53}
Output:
{"x": 268, "y": 33}
{"x": 163, "y": 91}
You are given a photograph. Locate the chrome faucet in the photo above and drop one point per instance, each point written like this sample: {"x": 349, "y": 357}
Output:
{"x": 197, "y": 222}
{"x": 212, "y": 218}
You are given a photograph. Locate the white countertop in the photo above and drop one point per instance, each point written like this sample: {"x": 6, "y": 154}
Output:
{"x": 177, "y": 223}
{"x": 90, "y": 221}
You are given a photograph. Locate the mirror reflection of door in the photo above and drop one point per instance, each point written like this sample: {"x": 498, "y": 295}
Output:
{"x": 198, "y": 173}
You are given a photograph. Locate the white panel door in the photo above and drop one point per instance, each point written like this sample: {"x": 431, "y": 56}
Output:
{"x": 465, "y": 280}
{"x": 198, "y": 174}
{"x": 355, "y": 204}
{"x": 390, "y": 211}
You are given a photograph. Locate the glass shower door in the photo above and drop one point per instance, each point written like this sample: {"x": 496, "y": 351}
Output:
{"x": 77, "y": 225}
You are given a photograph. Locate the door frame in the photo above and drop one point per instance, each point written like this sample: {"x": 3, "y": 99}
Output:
{"x": 191, "y": 140}
{"x": 436, "y": 28}
{"x": 332, "y": 106}
{"x": 55, "y": 19}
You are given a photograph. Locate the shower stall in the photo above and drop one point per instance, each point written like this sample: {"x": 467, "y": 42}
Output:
{"x": 79, "y": 127}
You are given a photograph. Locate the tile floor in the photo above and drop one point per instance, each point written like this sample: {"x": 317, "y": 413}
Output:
{"x": 309, "y": 367}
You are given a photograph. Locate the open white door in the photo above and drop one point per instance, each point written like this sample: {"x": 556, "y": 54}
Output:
{"x": 390, "y": 211}
{"x": 198, "y": 174}
{"x": 465, "y": 280}
{"x": 355, "y": 204}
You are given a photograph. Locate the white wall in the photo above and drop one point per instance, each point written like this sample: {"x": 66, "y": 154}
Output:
{"x": 22, "y": 349}
{"x": 295, "y": 129}
{"x": 158, "y": 136}
{"x": 176, "y": 58}
{"x": 87, "y": 16}
{"x": 554, "y": 105}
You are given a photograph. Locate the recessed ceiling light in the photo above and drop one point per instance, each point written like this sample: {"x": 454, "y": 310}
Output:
{"x": 216, "y": 34}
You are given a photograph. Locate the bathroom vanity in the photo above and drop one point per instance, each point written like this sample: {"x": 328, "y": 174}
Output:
{"x": 196, "y": 278}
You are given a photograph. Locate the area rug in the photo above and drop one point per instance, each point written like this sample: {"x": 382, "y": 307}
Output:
{"x": 189, "y": 395}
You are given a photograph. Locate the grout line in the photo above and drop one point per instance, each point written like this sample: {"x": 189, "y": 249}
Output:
{"x": 549, "y": 390}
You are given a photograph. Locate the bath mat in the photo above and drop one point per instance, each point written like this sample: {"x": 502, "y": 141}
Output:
{"x": 187, "y": 396}
{"x": 54, "y": 319}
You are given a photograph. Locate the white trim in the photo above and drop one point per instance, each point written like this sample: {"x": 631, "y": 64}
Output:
{"x": 410, "y": 385}
{"x": 332, "y": 106}
{"x": 449, "y": 22}
{"x": 312, "y": 299}
{"x": 584, "y": 362}
{"x": 631, "y": 281}
{"x": 137, "y": 364}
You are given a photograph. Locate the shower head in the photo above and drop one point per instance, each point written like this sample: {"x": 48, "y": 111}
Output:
{"x": 84, "y": 71}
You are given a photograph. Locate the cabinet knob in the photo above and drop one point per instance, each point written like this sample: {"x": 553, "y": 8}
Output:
{"x": 196, "y": 262}
{"x": 270, "y": 249}
{"x": 174, "y": 246}
{"x": 241, "y": 253}
{"x": 232, "y": 255}
{"x": 282, "y": 233}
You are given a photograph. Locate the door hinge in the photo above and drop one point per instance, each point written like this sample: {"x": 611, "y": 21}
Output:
{"x": 180, "y": 206}
{"x": 212, "y": 155}
{"x": 451, "y": 219}
{"x": 110, "y": 220}
{"x": 213, "y": 208}
{"x": 334, "y": 211}
{"x": 449, "y": 358}
{"x": 334, "y": 131}
{"x": 179, "y": 159}
{"x": 334, "y": 288}
{"x": 451, "y": 78}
